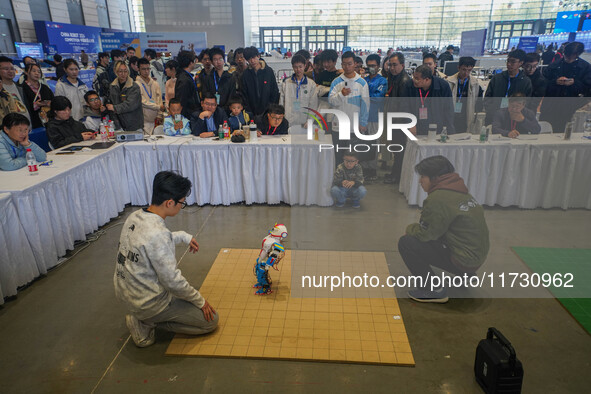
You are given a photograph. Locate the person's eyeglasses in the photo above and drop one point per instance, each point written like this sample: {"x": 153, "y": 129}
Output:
{"x": 122, "y": 71}
{"x": 92, "y": 100}
{"x": 183, "y": 204}
{"x": 277, "y": 118}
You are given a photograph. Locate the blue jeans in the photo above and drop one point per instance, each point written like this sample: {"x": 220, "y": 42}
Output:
{"x": 340, "y": 193}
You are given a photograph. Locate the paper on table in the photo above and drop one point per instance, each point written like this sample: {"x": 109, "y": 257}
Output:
{"x": 526, "y": 137}
{"x": 461, "y": 137}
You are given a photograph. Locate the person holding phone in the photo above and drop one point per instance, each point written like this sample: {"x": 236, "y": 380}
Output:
{"x": 567, "y": 77}
{"x": 37, "y": 96}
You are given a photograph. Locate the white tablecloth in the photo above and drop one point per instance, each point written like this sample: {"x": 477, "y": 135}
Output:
{"x": 67, "y": 200}
{"x": 17, "y": 263}
{"x": 274, "y": 169}
{"x": 547, "y": 172}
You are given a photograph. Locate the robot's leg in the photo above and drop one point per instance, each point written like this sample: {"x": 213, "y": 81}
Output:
{"x": 261, "y": 274}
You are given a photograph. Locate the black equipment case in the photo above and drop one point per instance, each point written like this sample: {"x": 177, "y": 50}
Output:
{"x": 496, "y": 367}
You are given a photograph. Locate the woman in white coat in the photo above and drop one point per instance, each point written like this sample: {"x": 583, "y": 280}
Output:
{"x": 72, "y": 87}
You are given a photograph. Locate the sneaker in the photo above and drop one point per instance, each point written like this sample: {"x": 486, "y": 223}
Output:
{"x": 337, "y": 205}
{"x": 423, "y": 295}
{"x": 141, "y": 333}
{"x": 356, "y": 204}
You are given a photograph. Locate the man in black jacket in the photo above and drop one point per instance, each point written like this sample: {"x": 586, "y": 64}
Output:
{"x": 538, "y": 82}
{"x": 430, "y": 100}
{"x": 259, "y": 84}
{"x": 219, "y": 82}
{"x": 570, "y": 79}
{"x": 205, "y": 123}
{"x": 185, "y": 88}
{"x": 446, "y": 56}
{"x": 273, "y": 121}
{"x": 548, "y": 55}
{"x": 506, "y": 84}
{"x": 398, "y": 82}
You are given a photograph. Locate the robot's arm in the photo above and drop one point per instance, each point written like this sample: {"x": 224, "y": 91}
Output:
{"x": 276, "y": 255}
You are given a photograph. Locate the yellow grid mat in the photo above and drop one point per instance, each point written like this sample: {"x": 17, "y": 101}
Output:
{"x": 276, "y": 326}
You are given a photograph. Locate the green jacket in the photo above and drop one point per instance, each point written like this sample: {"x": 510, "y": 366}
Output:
{"x": 458, "y": 220}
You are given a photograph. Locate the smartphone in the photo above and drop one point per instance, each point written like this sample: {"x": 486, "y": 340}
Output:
{"x": 346, "y": 83}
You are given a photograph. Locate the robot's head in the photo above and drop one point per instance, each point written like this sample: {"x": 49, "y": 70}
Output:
{"x": 279, "y": 231}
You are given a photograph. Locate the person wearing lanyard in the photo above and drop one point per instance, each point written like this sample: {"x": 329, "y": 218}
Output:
{"x": 185, "y": 88}
{"x": 14, "y": 142}
{"x": 297, "y": 93}
{"x": 219, "y": 82}
{"x": 516, "y": 119}
{"x": 152, "y": 103}
{"x": 466, "y": 93}
{"x": 505, "y": 84}
{"x": 273, "y": 121}
{"x": 433, "y": 101}
{"x": 206, "y": 123}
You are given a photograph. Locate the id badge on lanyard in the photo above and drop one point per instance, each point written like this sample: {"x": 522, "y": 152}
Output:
{"x": 458, "y": 107}
{"x": 217, "y": 98}
{"x": 296, "y": 106}
{"x": 423, "y": 113}
{"x": 505, "y": 102}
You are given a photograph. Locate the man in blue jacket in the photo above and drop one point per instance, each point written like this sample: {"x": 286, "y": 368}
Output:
{"x": 205, "y": 123}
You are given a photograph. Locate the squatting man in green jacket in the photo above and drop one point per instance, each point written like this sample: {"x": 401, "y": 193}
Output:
{"x": 451, "y": 234}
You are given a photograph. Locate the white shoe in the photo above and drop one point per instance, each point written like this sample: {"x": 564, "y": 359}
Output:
{"x": 141, "y": 333}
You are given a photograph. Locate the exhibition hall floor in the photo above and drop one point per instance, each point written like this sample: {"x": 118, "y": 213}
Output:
{"x": 66, "y": 332}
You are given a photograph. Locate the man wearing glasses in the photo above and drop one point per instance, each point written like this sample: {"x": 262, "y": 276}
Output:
{"x": 94, "y": 111}
{"x": 538, "y": 82}
{"x": 504, "y": 85}
{"x": 147, "y": 279}
{"x": 205, "y": 124}
{"x": 273, "y": 121}
{"x": 125, "y": 100}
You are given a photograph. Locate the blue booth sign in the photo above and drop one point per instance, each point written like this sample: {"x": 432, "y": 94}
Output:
{"x": 69, "y": 38}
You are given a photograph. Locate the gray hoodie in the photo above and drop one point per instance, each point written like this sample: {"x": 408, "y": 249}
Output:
{"x": 146, "y": 276}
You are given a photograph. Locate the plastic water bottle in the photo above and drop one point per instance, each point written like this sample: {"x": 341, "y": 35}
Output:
{"x": 104, "y": 132}
{"x": 226, "y": 129}
{"x": 32, "y": 162}
{"x": 587, "y": 129}
{"x": 253, "y": 131}
{"x": 110, "y": 129}
{"x": 221, "y": 132}
{"x": 483, "y": 135}
{"x": 444, "y": 134}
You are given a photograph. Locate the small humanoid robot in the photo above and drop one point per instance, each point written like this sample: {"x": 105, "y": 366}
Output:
{"x": 272, "y": 251}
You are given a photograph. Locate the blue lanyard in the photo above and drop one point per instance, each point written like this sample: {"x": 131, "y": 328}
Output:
{"x": 148, "y": 93}
{"x": 462, "y": 89}
{"x": 192, "y": 79}
{"x": 509, "y": 85}
{"x": 298, "y": 84}
{"x": 215, "y": 73}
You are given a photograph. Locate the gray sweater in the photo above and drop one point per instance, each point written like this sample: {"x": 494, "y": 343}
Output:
{"x": 146, "y": 277}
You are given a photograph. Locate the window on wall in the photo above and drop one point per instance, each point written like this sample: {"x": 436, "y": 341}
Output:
{"x": 284, "y": 37}
{"x": 374, "y": 24}
{"x": 39, "y": 10}
{"x": 75, "y": 11}
{"x": 103, "y": 13}
{"x": 326, "y": 37}
{"x": 124, "y": 14}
